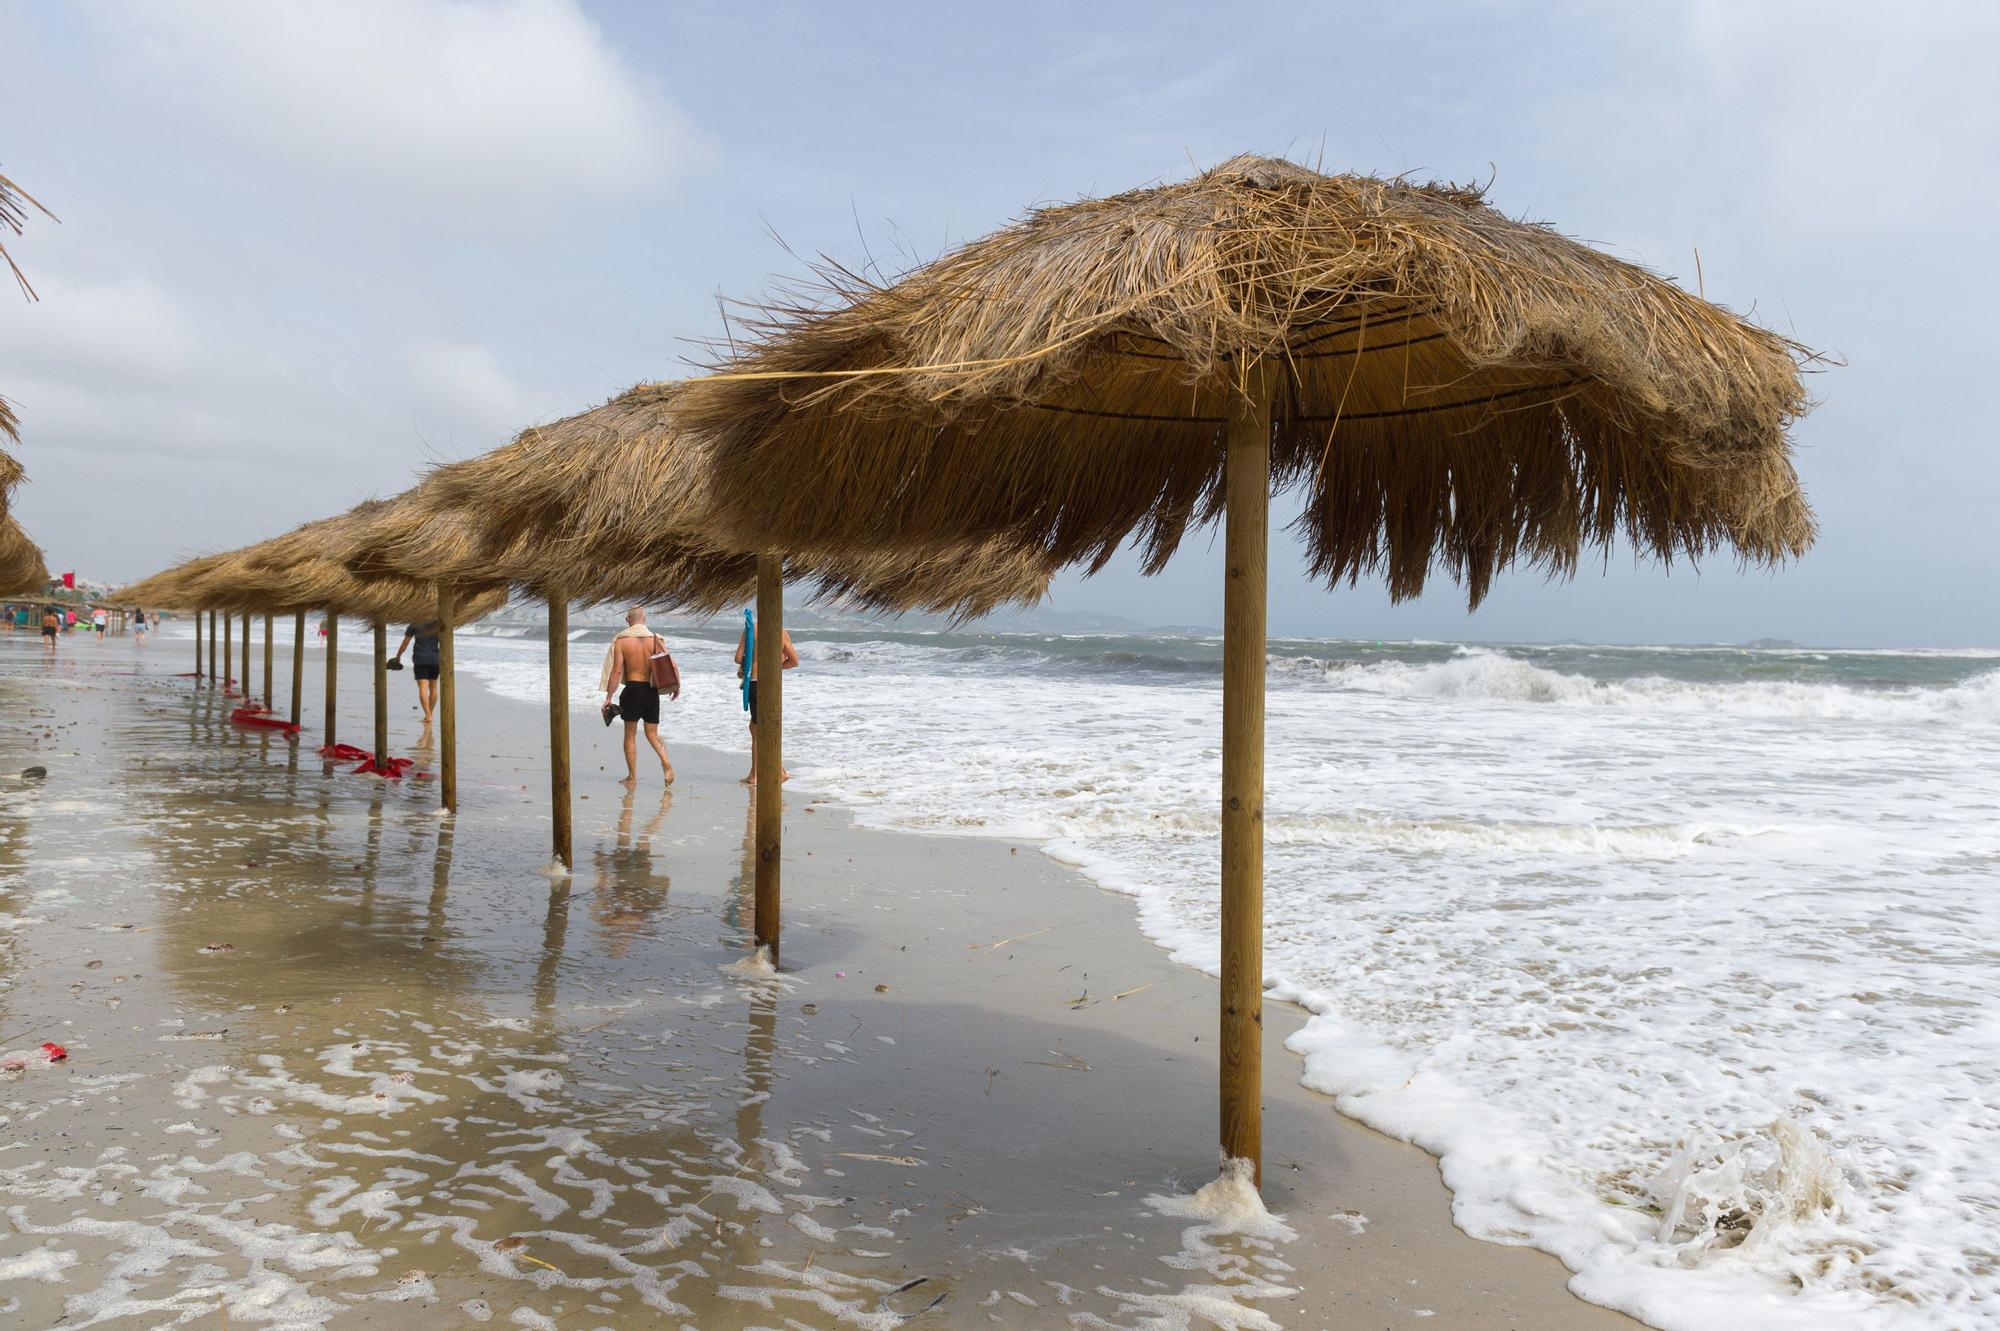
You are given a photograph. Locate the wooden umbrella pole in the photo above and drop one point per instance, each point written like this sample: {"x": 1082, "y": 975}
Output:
{"x": 1247, "y": 494}
{"x": 244, "y": 679}
{"x": 559, "y": 728}
{"x": 267, "y": 661}
{"x": 298, "y": 662}
{"x": 769, "y": 741}
{"x": 447, "y": 701}
{"x": 332, "y": 675}
{"x": 217, "y": 668}
{"x": 228, "y": 649}
{"x": 381, "y": 695}
{"x": 199, "y": 670}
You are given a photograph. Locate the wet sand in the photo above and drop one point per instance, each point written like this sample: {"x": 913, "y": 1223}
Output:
{"x": 337, "y": 1060}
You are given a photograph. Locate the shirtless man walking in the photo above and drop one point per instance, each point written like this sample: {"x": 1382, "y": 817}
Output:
{"x": 628, "y": 666}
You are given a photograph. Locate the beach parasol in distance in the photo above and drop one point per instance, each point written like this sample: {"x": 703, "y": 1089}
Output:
{"x": 1446, "y": 388}
{"x": 610, "y": 506}
{"x": 295, "y": 574}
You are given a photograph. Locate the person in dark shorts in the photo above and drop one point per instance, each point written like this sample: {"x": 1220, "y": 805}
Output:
{"x": 426, "y": 663}
{"x": 628, "y": 665}
{"x": 51, "y": 623}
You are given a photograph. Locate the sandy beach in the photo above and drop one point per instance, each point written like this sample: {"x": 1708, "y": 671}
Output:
{"x": 333, "y": 1059}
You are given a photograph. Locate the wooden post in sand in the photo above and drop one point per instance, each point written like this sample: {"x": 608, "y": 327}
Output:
{"x": 332, "y": 675}
{"x": 770, "y": 748}
{"x": 267, "y": 661}
{"x": 298, "y": 661}
{"x": 559, "y": 728}
{"x": 245, "y": 677}
{"x": 217, "y": 667}
{"x": 1247, "y": 494}
{"x": 228, "y": 650}
{"x": 447, "y": 702}
{"x": 199, "y": 672}
{"x": 381, "y": 695}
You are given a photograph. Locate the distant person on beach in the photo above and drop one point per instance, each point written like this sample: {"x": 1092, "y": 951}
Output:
{"x": 139, "y": 627}
{"x": 99, "y": 619}
{"x": 50, "y": 623}
{"x": 628, "y": 665}
{"x": 426, "y": 663}
{"x": 789, "y": 655}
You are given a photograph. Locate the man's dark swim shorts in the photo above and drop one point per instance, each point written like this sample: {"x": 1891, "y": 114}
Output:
{"x": 639, "y": 702}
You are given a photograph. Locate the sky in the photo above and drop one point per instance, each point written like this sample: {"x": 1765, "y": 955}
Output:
{"x": 307, "y": 250}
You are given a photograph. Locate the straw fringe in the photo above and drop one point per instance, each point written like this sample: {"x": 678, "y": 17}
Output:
{"x": 22, "y": 568}
{"x": 1456, "y": 390}
{"x": 612, "y": 505}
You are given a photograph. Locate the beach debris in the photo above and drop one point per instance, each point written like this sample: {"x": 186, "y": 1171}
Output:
{"x": 197, "y": 1035}
{"x": 217, "y": 947}
{"x": 1037, "y": 933}
{"x": 1355, "y": 1223}
{"x": 20, "y": 1060}
{"x": 840, "y": 975}
{"x": 1069, "y": 1063}
{"x": 1129, "y": 992}
{"x": 35, "y": 773}
{"x": 809, "y": 1009}
{"x": 1081, "y": 1000}
{"x": 881, "y": 988}
{"x": 905, "y": 1161}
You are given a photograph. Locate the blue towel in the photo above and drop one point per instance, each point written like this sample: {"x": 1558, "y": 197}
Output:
{"x": 749, "y": 654}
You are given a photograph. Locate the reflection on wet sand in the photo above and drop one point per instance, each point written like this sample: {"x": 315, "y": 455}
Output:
{"x": 331, "y": 1050}
{"x": 629, "y": 890}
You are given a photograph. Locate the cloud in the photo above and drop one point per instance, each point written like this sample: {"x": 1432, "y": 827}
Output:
{"x": 462, "y": 401}
{"x": 490, "y": 107}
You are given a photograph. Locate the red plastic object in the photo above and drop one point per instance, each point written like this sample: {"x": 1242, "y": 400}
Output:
{"x": 55, "y": 1051}
{"x": 393, "y": 768}
{"x": 345, "y": 752}
{"x": 261, "y": 719}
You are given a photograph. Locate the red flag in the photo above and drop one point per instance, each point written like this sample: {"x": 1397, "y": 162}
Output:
{"x": 69, "y": 579}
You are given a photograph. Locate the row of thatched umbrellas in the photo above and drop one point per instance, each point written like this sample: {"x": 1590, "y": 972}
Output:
{"x": 1447, "y": 388}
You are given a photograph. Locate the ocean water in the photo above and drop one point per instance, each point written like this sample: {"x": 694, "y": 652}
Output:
{"x": 1683, "y": 960}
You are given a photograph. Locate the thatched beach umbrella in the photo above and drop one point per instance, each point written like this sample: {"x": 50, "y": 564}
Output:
{"x": 22, "y": 568}
{"x": 21, "y": 565}
{"x": 301, "y": 570}
{"x": 1448, "y": 388}
{"x": 610, "y": 506}
{"x": 290, "y": 574}
{"x": 184, "y": 587}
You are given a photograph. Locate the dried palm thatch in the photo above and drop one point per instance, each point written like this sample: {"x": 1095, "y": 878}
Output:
{"x": 14, "y": 205}
{"x": 182, "y": 587}
{"x": 1451, "y": 388}
{"x": 11, "y": 472}
{"x": 22, "y": 568}
{"x": 612, "y": 505}
{"x": 11, "y": 475}
{"x": 296, "y": 571}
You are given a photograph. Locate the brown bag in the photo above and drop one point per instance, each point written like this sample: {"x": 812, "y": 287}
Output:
{"x": 666, "y": 675}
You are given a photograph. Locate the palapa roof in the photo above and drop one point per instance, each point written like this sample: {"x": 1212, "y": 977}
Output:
{"x": 22, "y": 568}
{"x": 296, "y": 571}
{"x": 11, "y": 471}
{"x": 612, "y": 505}
{"x": 1453, "y": 389}
{"x": 14, "y": 205}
